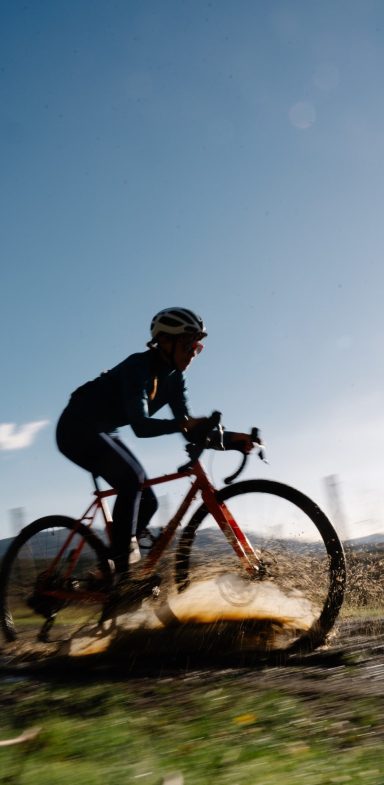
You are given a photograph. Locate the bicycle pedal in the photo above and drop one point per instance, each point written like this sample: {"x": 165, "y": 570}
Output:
{"x": 129, "y": 594}
{"x": 139, "y": 589}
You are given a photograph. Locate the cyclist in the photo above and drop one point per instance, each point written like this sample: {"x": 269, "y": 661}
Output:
{"x": 130, "y": 394}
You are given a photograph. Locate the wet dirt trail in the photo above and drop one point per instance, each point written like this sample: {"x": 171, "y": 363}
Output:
{"x": 350, "y": 664}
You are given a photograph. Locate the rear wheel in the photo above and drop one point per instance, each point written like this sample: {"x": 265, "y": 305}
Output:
{"x": 295, "y": 601}
{"x": 47, "y": 600}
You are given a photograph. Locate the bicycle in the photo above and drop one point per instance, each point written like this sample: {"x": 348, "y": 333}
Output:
{"x": 49, "y": 589}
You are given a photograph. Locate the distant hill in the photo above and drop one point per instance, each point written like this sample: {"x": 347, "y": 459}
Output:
{"x": 48, "y": 544}
{"x": 212, "y": 539}
{"x": 367, "y": 541}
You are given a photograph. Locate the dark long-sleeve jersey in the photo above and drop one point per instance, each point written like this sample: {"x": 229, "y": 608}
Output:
{"x": 130, "y": 393}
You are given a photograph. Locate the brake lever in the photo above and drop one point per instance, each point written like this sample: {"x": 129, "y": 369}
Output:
{"x": 261, "y": 453}
{"x": 255, "y": 436}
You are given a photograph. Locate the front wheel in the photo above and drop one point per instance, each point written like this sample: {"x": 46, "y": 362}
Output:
{"x": 53, "y": 580}
{"x": 295, "y": 600}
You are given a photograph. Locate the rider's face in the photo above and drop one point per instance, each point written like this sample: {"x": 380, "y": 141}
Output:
{"x": 186, "y": 349}
{"x": 182, "y": 350}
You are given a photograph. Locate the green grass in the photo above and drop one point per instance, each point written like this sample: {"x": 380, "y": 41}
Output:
{"x": 220, "y": 731}
{"x": 361, "y": 612}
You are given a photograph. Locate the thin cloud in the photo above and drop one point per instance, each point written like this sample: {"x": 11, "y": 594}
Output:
{"x": 13, "y": 437}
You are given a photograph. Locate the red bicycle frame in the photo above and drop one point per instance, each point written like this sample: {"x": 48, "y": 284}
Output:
{"x": 218, "y": 510}
{"x": 144, "y": 568}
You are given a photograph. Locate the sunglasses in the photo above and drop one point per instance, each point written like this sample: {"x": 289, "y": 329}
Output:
{"x": 191, "y": 344}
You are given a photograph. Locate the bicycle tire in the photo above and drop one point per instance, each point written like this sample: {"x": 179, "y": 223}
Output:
{"x": 311, "y": 516}
{"x": 23, "y": 565}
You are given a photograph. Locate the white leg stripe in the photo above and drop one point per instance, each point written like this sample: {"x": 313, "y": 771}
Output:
{"x": 127, "y": 457}
{"x": 135, "y": 466}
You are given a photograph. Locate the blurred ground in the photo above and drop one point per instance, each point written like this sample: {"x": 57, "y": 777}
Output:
{"x": 188, "y": 695}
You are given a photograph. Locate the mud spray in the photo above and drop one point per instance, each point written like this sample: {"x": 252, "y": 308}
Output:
{"x": 222, "y": 615}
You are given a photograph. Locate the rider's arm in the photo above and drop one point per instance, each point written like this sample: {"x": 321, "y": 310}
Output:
{"x": 139, "y": 407}
{"x": 145, "y": 426}
{"x": 178, "y": 399}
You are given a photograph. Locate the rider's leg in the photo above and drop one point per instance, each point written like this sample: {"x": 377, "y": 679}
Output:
{"x": 107, "y": 456}
{"x": 147, "y": 509}
{"x": 133, "y": 508}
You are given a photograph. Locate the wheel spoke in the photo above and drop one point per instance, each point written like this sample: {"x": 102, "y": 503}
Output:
{"x": 47, "y": 581}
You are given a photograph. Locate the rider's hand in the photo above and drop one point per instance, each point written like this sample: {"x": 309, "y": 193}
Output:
{"x": 194, "y": 428}
{"x": 239, "y": 441}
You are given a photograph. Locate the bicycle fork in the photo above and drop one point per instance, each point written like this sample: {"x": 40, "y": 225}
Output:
{"x": 235, "y": 536}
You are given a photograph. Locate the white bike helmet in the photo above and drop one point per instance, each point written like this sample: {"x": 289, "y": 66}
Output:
{"x": 177, "y": 321}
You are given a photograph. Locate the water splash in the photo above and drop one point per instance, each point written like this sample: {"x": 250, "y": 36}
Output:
{"x": 220, "y": 615}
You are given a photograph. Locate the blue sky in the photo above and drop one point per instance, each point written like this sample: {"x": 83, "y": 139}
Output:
{"x": 226, "y": 156}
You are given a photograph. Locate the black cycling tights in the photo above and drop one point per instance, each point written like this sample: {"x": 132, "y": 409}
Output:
{"x": 108, "y": 457}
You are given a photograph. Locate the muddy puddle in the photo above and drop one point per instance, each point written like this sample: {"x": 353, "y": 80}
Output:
{"x": 221, "y": 616}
